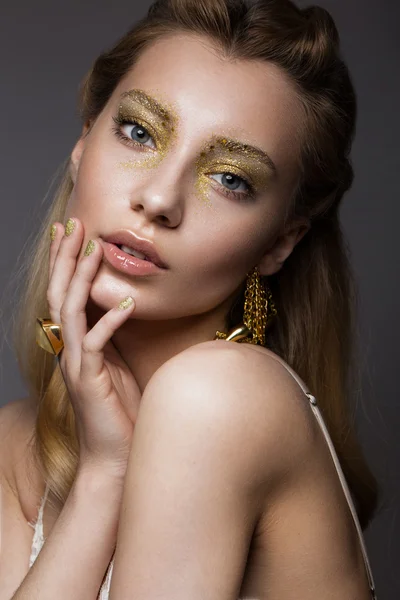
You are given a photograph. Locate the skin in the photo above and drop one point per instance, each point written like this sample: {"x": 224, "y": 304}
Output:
{"x": 209, "y": 247}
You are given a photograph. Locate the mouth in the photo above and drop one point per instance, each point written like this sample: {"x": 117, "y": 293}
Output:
{"x": 129, "y": 262}
{"x": 132, "y": 252}
{"x": 131, "y": 244}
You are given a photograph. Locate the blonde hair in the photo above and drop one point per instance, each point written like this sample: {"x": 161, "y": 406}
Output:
{"x": 314, "y": 291}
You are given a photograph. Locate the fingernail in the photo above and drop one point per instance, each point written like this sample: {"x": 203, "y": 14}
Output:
{"x": 90, "y": 247}
{"x": 53, "y": 232}
{"x": 69, "y": 226}
{"x": 126, "y": 303}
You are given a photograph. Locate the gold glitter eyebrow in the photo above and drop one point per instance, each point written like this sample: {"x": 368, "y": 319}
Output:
{"x": 236, "y": 147}
{"x": 150, "y": 103}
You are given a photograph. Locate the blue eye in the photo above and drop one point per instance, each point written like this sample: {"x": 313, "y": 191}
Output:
{"x": 141, "y": 134}
{"x": 242, "y": 196}
{"x": 229, "y": 179}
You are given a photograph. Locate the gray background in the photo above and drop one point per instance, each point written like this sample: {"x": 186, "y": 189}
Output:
{"x": 45, "y": 49}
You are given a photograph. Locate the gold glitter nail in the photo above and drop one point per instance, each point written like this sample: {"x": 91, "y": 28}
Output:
{"x": 90, "y": 247}
{"x": 126, "y": 303}
{"x": 53, "y": 232}
{"x": 69, "y": 227}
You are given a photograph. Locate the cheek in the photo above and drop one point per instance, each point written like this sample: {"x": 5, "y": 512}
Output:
{"x": 224, "y": 249}
{"x": 98, "y": 182}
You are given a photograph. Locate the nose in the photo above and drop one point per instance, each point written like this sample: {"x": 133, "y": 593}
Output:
{"x": 161, "y": 191}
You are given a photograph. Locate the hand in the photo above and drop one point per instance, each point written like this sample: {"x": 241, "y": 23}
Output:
{"x": 103, "y": 391}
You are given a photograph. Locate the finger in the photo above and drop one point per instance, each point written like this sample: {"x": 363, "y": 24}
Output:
{"x": 92, "y": 357}
{"x": 64, "y": 268}
{"x": 73, "y": 311}
{"x": 56, "y": 234}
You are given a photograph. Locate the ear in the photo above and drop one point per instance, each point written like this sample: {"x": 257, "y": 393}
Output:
{"x": 273, "y": 259}
{"x": 77, "y": 152}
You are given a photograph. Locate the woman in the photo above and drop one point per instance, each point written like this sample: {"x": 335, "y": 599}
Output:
{"x": 166, "y": 462}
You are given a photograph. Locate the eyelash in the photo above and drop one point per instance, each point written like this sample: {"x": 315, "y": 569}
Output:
{"x": 241, "y": 196}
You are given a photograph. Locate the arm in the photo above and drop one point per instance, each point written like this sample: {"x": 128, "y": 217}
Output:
{"x": 216, "y": 434}
{"x": 75, "y": 556}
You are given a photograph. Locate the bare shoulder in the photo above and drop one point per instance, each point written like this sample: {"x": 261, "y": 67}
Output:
{"x": 252, "y": 397}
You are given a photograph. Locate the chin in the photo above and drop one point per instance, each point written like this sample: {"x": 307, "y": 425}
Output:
{"x": 108, "y": 291}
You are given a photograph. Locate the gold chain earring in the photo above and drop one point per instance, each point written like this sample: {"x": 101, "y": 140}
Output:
{"x": 258, "y": 308}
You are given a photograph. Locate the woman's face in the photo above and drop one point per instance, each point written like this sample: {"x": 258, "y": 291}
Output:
{"x": 177, "y": 180}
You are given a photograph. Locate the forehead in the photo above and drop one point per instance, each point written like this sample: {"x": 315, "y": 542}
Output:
{"x": 251, "y": 100}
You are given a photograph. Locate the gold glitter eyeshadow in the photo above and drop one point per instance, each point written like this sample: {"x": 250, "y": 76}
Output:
{"x": 127, "y": 165}
{"x": 160, "y": 121}
{"x": 226, "y": 155}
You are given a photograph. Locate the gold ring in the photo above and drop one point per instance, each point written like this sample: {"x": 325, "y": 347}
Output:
{"x": 49, "y": 336}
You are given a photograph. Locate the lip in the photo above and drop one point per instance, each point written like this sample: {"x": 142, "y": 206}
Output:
{"x": 126, "y": 263}
{"x": 130, "y": 239}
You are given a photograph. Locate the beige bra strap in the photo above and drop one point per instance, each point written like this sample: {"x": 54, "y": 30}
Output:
{"x": 347, "y": 493}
